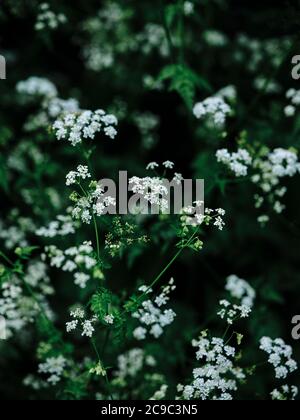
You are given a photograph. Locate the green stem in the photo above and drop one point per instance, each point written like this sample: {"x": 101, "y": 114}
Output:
{"x": 181, "y": 31}
{"x": 227, "y": 329}
{"x": 97, "y": 237}
{"x": 6, "y": 258}
{"x": 156, "y": 280}
{"x": 106, "y": 340}
{"x": 95, "y": 224}
{"x": 99, "y": 360}
{"x": 167, "y": 30}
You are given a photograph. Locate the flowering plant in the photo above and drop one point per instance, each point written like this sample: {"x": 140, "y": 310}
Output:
{"x": 100, "y": 299}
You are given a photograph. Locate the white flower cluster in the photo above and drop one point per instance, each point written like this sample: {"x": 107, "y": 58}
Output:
{"x": 109, "y": 319}
{"x": 153, "y": 38}
{"x": 217, "y": 378}
{"x": 57, "y": 106}
{"x": 241, "y": 290}
{"x": 75, "y": 127}
{"x": 132, "y": 362}
{"x": 232, "y": 312}
{"x": 188, "y": 8}
{"x": 36, "y": 276}
{"x": 243, "y": 296}
{"x": 47, "y": 19}
{"x": 110, "y": 36}
{"x": 87, "y": 325}
{"x": 285, "y": 393}
{"x": 214, "y": 108}
{"x": 51, "y": 107}
{"x": 152, "y": 190}
{"x": 160, "y": 394}
{"x": 94, "y": 201}
{"x": 37, "y": 86}
{"x": 75, "y": 260}
{"x": 215, "y": 38}
{"x": 193, "y": 216}
{"x": 17, "y": 307}
{"x": 147, "y": 123}
{"x": 82, "y": 172}
{"x": 238, "y": 162}
{"x": 228, "y": 93}
{"x": 54, "y": 367}
{"x": 167, "y": 165}
{"x": 151, "y": 314}
{"x": 62, "y": 226}
{"x": 267, "y": 171}
{"x": 284, "y": 163}
{"x": 253, "y": 52}
{"x": 35, "y": 383}
{"x": 280, "y": 356}
{"x": 12, "y": 236}
{"x": 294, "y": 96}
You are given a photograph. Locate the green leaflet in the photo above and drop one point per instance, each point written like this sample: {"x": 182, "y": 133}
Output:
{"x": 184, "y": 81}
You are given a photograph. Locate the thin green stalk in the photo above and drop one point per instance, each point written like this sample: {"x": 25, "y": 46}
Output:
{"x": 167, "y": 31}
{"x": 106, "y": 340}
{"x": 156, "y": 280}
{"x": 227, "y": 329}
{"x": 97, "y": 236}
{"x": 99, "y": 360}
{"x": 181, "y": 31}
{"x": 6, "y": 258}
{"x": 95, "y": 224}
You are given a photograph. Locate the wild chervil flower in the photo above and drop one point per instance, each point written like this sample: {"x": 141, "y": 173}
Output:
{"x": 236, "y": 162}
{"x": 280, "y": 356}
{"x": 217, "y": 377}
{"x": 62, "y": 226}
{"x": 86, "y": 325}
{"x": 77, "y": 260}
{"x": 54, "y": 367}
{"x": 214, "y": 108}
{"x": 285, "y": 393}
{"x": 37, "y": 86}
{"x": 168, "y": 164}
{"x": 151, "y": 316}
{"x": 132, "y": 362}
{"x": 75, "y": 127}
{"x": 152, "y": 165}
{"x": 47, "y": 19}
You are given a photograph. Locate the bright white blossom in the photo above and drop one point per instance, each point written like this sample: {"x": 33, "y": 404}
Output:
{"x": 152, "y": 318}
{"x": 152, "y": 166}
{"x": 285, "y": 393}
{"x": 37, "y": 86}
{"x": 77, "y": 260}
{"x": 217, "y": 377}
{"x": 54, "y": 367}
{"x": 214, "y": 108}
{"x": 75, "y": 127}
{"x": 268, "y": 169}
{"x": 132, "y": 362}
{"x": 87, "y": 326}
{"x": 241, "y": 290}
{"x": 168, "y": 164}
{"x": 109, "y": 319}
{"x": 62, "y": 226}
{"x": 237, "y": 162}
{"x": 47, "y": 19}
{"x": 280, "y": 356}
